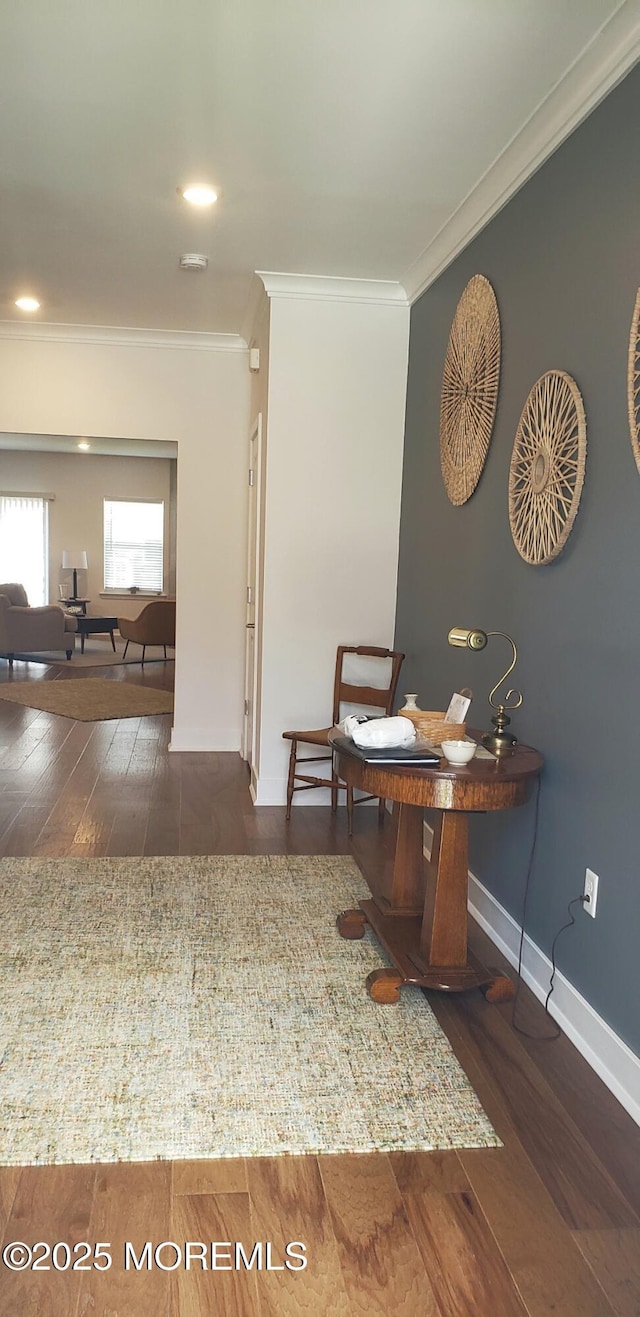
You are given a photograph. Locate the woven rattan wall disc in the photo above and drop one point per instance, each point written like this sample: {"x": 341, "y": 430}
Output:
{"x": 469, "y": 389}
{"x": 633, "y": 381}
{"x": 547, "y": 468}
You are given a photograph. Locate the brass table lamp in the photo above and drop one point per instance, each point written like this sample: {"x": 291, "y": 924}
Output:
{"x": 500, "y": 740}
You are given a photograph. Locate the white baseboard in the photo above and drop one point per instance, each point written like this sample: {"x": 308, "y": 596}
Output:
{"x": 273, "y": 791}
{"x": 198, "y": 738}
{"x": 613, "y": 1061}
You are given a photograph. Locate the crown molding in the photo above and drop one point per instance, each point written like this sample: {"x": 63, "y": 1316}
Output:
{"x": 330, "y": 288}
{"x": 108, "y": 336}
{"x": 603, "y": 63}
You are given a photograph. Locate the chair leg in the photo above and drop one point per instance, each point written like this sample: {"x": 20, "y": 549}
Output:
{"x": 143, "y": 653}
{"x": 334, "y": 793}
{"x": 350, "y": 809}
{"x": 69, "y": 653}
{"x": 290, "y": 779}
{"x": 125, "y": 650}
{"x": 381, "y": 810}
{"x": 10, "y": 658}
{"x": 165, "y": 650}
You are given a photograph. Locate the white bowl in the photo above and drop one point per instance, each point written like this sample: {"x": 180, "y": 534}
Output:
{"x": 458, "y": 752}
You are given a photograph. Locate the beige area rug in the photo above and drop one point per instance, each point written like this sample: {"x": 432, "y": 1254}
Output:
{"x": 89, "y": 699}
{"x": 207, "y": 1007}
{"x": 98, "y": 654}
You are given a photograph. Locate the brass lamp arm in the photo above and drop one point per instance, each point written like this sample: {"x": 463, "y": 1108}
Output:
{"x": 511, "y": 694}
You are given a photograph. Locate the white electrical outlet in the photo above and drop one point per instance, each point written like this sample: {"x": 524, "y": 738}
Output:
{"x": 590, "y": 891}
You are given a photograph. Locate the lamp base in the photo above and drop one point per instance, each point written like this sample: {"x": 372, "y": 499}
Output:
{"x": 500, "y": 741}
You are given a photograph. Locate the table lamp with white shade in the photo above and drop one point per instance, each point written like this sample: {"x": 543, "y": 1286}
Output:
{"x": 74, "y": 560}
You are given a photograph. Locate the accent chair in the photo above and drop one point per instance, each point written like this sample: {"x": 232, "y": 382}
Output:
{"x": 156, "y": 625}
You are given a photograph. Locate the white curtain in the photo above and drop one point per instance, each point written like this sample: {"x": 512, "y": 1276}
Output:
{"x": 24, "y": 555}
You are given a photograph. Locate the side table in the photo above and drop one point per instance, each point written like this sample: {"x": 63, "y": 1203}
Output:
{"x": 423, "y": 925}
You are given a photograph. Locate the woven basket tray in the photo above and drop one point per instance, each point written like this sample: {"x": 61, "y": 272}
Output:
{"x": 433, "y": 727}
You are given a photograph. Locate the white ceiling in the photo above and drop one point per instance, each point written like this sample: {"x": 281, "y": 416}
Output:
{"x": 99, "y": 445}
{"x": 343, "y": 134}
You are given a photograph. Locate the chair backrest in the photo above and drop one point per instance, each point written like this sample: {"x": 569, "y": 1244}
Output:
{"x": 16, "y": 594}
{"x": 350, "y": 692}
{"x": 158, "y": 622}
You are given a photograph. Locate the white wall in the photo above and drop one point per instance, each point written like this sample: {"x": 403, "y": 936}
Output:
{"x": 79, "y": 483}
{"x": 77, "y": 382}
{"x": 334, "y": 445}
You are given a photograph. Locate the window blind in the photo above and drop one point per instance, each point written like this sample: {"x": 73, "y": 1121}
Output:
{"x": 24, "y": 551}
{"x": 133, "y": 545}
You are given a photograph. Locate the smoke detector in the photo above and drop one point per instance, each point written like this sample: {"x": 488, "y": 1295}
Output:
{"x": 192, "y": 261}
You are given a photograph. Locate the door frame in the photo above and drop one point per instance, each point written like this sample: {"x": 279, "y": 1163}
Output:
{"x": 253, "y": 612}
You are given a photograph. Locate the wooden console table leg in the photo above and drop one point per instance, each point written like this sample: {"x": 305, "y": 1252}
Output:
{"x": 443, "y": 940}
{"x": 406, "y": 893}
{"x": 383, "y": 986}
{"x": 499, "y": 988}
{"x": 406, "y": 898}
{"x": 351, "y": 924}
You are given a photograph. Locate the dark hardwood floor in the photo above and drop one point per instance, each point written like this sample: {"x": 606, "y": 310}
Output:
{"x": 549, "y": 1224}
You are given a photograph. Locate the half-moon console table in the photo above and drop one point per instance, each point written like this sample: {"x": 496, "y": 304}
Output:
{"x": 423, "y": 925}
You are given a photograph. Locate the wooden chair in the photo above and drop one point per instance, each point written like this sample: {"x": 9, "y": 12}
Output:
{"x": 344, "y": 692}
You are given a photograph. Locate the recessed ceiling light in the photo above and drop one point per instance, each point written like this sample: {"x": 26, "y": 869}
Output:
{"x": 83, "y": 445}
{"x": 28, "y": 303}
{"x": 199, "y": 194}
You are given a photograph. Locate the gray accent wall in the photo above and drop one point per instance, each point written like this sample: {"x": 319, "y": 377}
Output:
{"x": 564, "y": 260}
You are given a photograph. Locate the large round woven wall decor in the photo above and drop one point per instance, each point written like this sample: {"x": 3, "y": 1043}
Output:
{"x": 469, "y": 389}
{"x": 547, "y": 468}
{"x": 633, "y": 381}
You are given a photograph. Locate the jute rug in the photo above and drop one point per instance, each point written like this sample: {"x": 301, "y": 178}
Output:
{"x": 207, "y": 1007}
{"x": 89, "y": 699}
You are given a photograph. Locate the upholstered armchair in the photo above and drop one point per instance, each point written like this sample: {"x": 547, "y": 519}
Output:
{"x": 156, "y": 625}
{"x": 25, "y": 630}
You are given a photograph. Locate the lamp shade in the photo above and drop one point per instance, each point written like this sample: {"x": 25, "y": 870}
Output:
{"x": 465, "y": 639}
{"x": 74, "y": 558}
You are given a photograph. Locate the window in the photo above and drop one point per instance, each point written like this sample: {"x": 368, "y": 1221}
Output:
{"x": 24, "y": 547}
{"x": 133, "y": 545}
